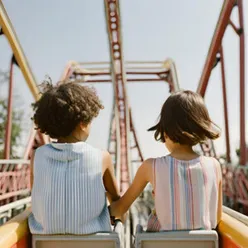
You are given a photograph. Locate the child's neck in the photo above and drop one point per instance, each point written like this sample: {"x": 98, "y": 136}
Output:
{"x": 69, "y": 139}
{"x": 183, "y": 152}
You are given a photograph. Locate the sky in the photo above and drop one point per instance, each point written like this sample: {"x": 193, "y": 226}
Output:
{"x": 54, "y": 32}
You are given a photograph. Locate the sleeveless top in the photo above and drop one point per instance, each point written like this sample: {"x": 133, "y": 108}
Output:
{"x": 186, "y": 193}
{"x": 68, "y": 195}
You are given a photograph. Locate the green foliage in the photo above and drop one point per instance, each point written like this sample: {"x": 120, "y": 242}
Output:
{"x": 16, "y": 128}
{"x": 16, "y": 122}
{"x": 238, "y": 152}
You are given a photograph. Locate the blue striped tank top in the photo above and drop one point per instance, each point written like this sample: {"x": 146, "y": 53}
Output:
{"x": 68, "y": 195}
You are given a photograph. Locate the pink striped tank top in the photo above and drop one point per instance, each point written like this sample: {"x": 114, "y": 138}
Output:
{"x": 186, "y": 193}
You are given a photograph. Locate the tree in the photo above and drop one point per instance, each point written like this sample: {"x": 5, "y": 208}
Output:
{"x": 238, "y": 152}
{"x": 16, "y": 123}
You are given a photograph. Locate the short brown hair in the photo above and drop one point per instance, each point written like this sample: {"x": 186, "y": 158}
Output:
{"x": 63, "y": 106}
{"x": 185, "y": 119}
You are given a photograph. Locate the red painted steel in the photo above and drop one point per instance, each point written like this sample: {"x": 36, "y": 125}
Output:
{"x": 228, "y": 158}
{"x": 14, "y": 182}
{"x": 119, "y": 83}
{"x": 235, "y": 179}
{"x": 243, "y": 152}
{"x": 235, "y": 184}
{"x": 135, "y": 138}
{"x": 7, "y": 142}
{"x": 215, "y": 44}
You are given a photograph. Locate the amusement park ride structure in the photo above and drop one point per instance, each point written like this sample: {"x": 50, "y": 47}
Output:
{"x": 123, "y": 142}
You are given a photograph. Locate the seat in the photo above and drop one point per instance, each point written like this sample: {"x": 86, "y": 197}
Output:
{"x": 176, "y": 239}
{"x": 101, "y": 240}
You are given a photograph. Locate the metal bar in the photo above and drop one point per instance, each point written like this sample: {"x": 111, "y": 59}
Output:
{"x": 14, "y": 161}
{"x": 125, "y": 62}
{"x": 8, "y": 127}
{"x": 9, "y": 32}
{"x": 127, "y": 73}
{"x": 135, "y": 137}
{"x": 228, "y": 158}
{"x": 243, "y": 155}
{"x": 15, "y": 204}
{"x": 215, "y": 44}
{"x": 68, "y": 70}
{"x": 15, "y": 193}
{"x": 135, "y": 80}
{"x": 113, "y": 22}
{"x": 234, "y": 27}
{"x": 236, "y": 215}
{"x": 169, "y": 64}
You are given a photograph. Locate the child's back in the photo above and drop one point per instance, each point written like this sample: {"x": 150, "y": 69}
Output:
{"x": 72, "y": 197}
{"x": 187, "y": 187}
{"x": 69, "y": 178}
{"x": 186, "y": 193}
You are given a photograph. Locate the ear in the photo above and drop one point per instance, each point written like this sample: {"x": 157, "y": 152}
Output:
{"x": 82, "y": 126}
{"x": 165, "y": 136}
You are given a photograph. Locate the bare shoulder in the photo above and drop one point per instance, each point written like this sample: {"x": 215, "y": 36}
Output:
{"x": 147, "y": 168}
{"x": 148, "y": 163}
{"x": 218, "y": 167}
{"x": 107, "y": 160}
{"x": 216, "y": 162}
{"x": 106, "y": 155}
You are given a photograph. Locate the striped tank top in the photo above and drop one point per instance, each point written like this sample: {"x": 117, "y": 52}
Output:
{"x": 68, "y": 195}
{"x": 186, "y": 193}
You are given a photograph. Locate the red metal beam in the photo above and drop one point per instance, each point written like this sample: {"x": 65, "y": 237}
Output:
{"x": 8, "y": 128}
{"x": 215, "y": 44}
{"x": 136, "y": 143}
{"x": 215, "y": 47}
{"x": 228, "y": 158}
{"x": 134, "y": 80}
{"x": 127, "y": 73}
{"x": 113, "y": 20}
{"x": 243, "y": 155}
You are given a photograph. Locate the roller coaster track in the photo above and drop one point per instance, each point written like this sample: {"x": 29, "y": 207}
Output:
{"x": 123, "y": 141}
{"x": 235, "y": 178}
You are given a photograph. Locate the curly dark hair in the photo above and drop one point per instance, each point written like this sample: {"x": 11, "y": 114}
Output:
{"x": 63, "y": 106}
{"x": 185, "y": 120}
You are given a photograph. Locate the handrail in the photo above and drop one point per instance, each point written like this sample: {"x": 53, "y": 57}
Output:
{"x": 238, "y": 216}
{"x": 14, "y": 161}
{"x": 233, "y": 233}
{"x": 15, "y": 204}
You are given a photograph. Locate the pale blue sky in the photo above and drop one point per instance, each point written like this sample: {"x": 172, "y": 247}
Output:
{"x": 53, "y": 32}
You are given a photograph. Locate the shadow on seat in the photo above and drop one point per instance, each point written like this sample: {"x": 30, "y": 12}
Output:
{"x": 101, "y": 240}
{"x": 178, "y": 239}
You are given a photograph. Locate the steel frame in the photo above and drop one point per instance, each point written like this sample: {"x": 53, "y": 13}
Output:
{"x": 235, "y": 183}
{"x": 119, "y": 72}
{"x": 215, "y": 55}
{"x": 14, "y": 178}
{"x": 137, "y": 72}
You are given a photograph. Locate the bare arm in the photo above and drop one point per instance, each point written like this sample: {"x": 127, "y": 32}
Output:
{"x": 109, "y": 180}
{"x": 219, "y": 214}
{"x": 220, "y": 198}
{"x": 142, "y": 177}
{"x": 32, "y": 169}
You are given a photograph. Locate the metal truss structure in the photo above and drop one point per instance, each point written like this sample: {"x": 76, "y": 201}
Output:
{"x": 14, "y": 175}
{"x": 235, "y": 177}
{"x": 123, "y": 141}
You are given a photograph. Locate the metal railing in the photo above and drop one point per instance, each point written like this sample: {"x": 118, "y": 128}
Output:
{"x": 12, "y": 209}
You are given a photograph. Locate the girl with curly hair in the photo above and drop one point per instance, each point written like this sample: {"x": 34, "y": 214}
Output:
{"x": 70, "y": 179}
